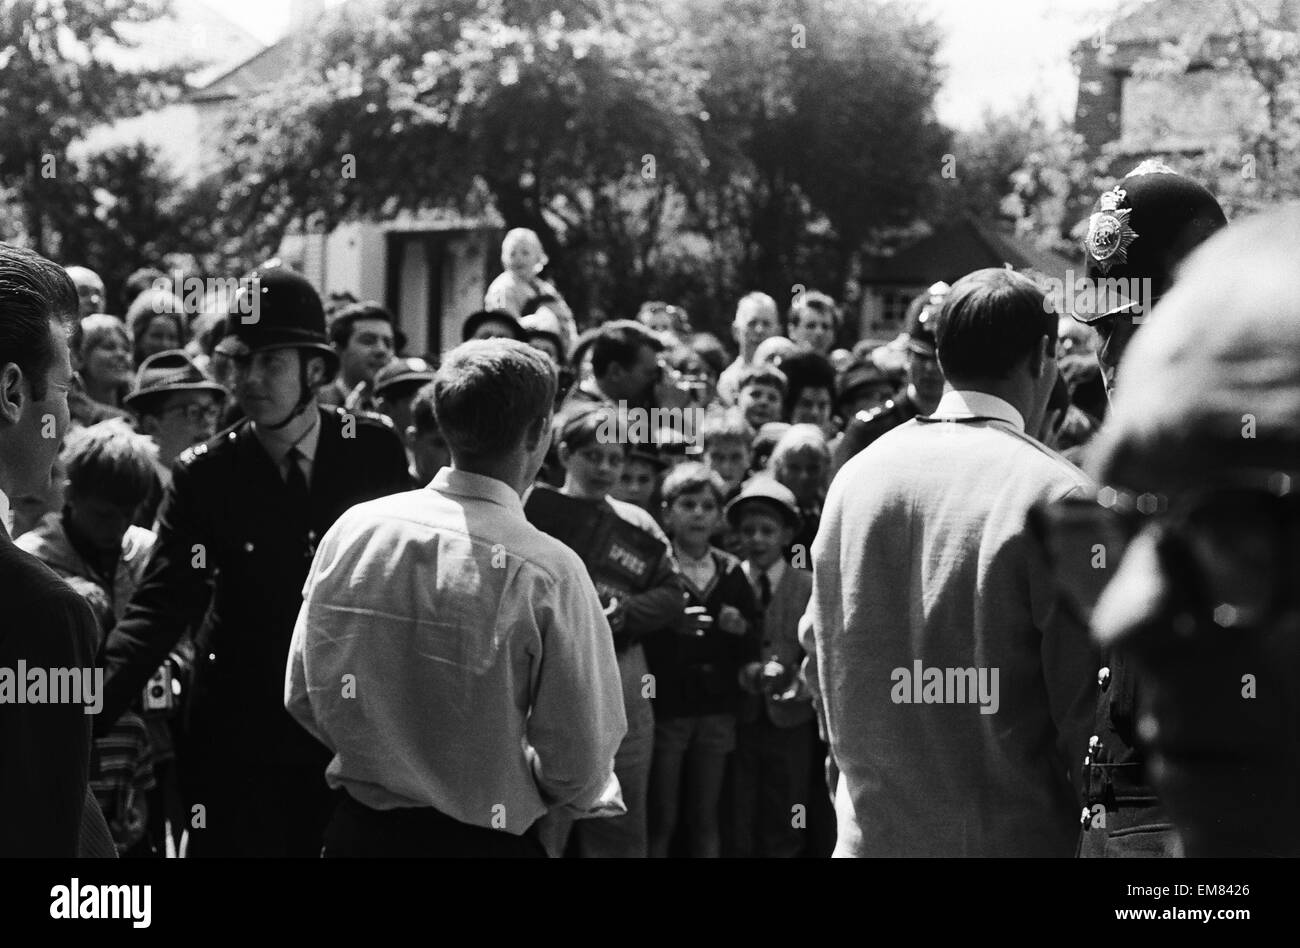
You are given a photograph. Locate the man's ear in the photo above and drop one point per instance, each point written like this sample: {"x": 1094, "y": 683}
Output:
{"x": 537, "y": 429}
{"x": 13, "y": 393}
{"x": 316, "y": 371}
{"x": 1046, "y": 349}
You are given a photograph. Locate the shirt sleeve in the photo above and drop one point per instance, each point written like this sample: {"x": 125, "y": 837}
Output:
{"x": 297, "y": 700}
{"x": 577, "y": 720}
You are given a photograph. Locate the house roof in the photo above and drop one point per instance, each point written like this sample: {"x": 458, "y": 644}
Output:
{"x": 1158, "y": 21}
{"x": 956, "y": 249}
{"x": 256, "y": 72}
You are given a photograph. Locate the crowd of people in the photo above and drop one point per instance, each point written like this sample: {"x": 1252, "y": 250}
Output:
{"x": 997, "y": 586}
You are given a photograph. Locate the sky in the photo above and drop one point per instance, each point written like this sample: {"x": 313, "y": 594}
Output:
{"x": 997, "y": 52}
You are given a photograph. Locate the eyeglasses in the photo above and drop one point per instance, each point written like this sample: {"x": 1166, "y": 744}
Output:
{"x": 1228, "y": 547}
{"x": 197, "y": 414}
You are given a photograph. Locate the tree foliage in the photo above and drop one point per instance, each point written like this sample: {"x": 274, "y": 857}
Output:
{"x": 692, "y": 146}
{"x": 58, "y": 78}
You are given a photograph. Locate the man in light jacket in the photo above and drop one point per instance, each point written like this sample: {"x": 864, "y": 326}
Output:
{"x": 954, "y": 691}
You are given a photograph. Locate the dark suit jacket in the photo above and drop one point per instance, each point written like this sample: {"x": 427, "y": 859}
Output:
{"x": 231, "y": 561}
{"x": 44, "y": 748}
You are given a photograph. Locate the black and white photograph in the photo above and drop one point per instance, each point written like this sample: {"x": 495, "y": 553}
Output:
{"x": 651, "y": 429}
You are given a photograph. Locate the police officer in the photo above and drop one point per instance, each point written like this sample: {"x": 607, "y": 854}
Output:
{"x": 237, "y": 530}
{"x": 1140, "y": 231}
{"x": 921, "y": 394}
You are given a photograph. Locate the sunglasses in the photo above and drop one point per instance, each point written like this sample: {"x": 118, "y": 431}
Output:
{"x": 1228, "y": 547}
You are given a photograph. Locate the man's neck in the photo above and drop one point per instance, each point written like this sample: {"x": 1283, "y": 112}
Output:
{"x": 1015, "y": 395}
{"x": 763, "y": 567}
{"x": 510, "y": 471}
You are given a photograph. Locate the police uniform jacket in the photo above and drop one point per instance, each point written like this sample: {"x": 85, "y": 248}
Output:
{"x": 865, "y": 427}
{"x": 232, "y": 555}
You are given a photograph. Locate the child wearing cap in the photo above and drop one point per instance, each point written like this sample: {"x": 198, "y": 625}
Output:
{"x": 697, "y": 668}
{"x": 592, "y": 467}
{"x": 775, "y": 730}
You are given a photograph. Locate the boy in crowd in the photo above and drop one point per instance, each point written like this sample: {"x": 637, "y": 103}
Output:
{"x": 697, "y": 669}
{"x": 93, "y": 545}
{"x": 775, "y": 732}
{"x": 728, "y": 442}
{"x": 425, "y": 444}
{"x": 592, "y": 470}
{"x": 762, "y": 395}
{"x": 800, "y": 461}
{"x": 640, "y": 478}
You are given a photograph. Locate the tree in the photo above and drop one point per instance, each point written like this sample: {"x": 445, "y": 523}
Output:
{"x": 120, "y": 210}
{"x": 57, "y": 79}
{"x": 688, "y": 146}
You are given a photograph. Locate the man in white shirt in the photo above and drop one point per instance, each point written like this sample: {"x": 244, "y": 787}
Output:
{"x": 955, "y": 692}
{"x": 454, "y": 658}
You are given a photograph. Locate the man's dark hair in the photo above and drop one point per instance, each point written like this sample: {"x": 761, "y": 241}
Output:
{"x": 990, "y": 320}
{"x": 342, "y": 322}
{"x": 806, "y": 369}
{"x": 33, "y": 291}
{"x": 620, "y": 341}
{"x": 486, "y": 394}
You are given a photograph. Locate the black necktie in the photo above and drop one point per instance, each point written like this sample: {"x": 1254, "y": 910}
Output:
{"x": 296, "y": 483}
{"x": 764, "y": 589}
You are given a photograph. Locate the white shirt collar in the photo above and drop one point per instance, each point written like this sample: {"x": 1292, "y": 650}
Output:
{"x": 958, "y": 405}
{"x": 6, "y": 514}
{"x": 775, "y": 572}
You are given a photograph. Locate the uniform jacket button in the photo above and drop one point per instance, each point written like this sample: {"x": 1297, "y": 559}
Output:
{"x": 1103, "y": 678}
{"x": 248, "y": 547}
{"x": 1093, "y": 743}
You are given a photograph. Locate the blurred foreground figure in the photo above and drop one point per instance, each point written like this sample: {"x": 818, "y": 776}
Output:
{"x": 45, "y": 805}
{"x": 1142, "y": 230}
{"x": 1200, "y": 528}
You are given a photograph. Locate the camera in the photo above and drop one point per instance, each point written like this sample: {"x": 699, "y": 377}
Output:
{"x": 158, "y": 694}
